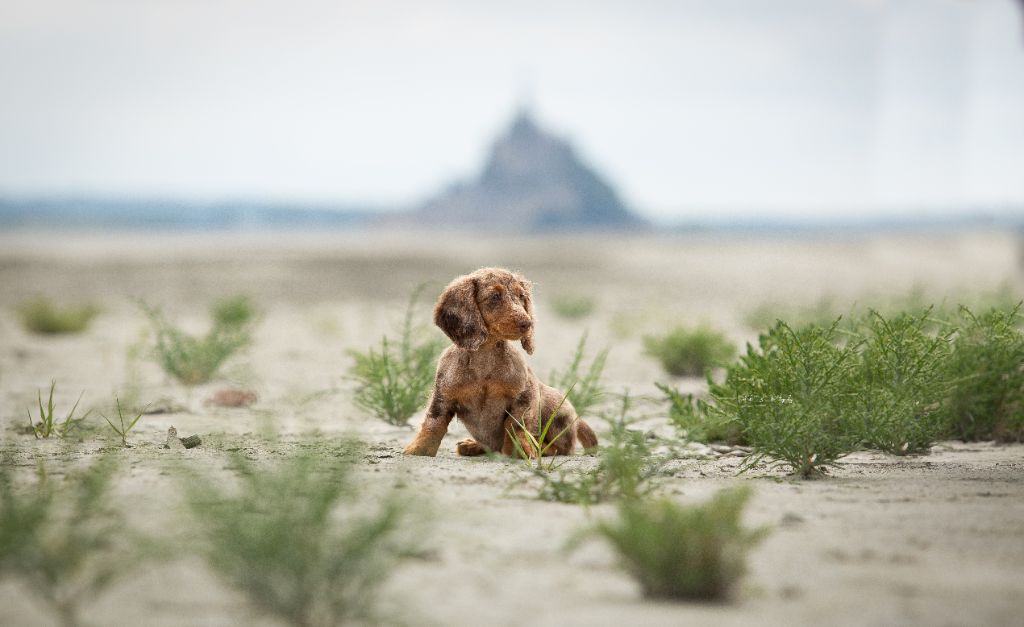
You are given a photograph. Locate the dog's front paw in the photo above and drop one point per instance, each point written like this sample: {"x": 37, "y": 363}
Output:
{"x": 469, "y": 448}
{"x": 418, "y": 448}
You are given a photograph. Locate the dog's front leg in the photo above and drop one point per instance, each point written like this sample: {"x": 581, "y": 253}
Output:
{"x": 435, "y": 425}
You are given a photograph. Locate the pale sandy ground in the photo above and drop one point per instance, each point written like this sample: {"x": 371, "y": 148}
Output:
{"x": 934, "y": 540}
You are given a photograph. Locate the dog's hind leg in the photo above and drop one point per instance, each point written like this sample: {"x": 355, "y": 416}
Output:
{"x": 514, "y": 433}
{"x": 586, "y": 435}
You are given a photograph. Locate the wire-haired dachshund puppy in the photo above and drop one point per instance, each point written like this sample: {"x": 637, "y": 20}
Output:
{"x": 483, "y": 378}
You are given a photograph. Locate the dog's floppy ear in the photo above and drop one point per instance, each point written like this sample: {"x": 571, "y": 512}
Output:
{"x": 527, "y": 340}
{"x": 458, "y": 315}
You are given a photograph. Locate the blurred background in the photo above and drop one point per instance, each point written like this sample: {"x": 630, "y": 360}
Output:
{"x": 217, "y": 212}
{"x": 527, "y": 116}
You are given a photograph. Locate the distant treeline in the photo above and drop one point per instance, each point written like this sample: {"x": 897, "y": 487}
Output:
{"x": 146, "y": 214}
{"x": 853, "y": 224}
{"x": 77, "y": 213}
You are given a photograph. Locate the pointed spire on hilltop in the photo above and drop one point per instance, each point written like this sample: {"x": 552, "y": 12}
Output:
{"x": 524, "y": 123}
{"x": 525, "y": 106}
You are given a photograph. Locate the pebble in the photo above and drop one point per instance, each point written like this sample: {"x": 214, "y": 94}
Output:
{"x": 173, "y": 442}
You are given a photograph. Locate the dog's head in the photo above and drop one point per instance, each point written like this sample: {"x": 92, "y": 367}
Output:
{"x": 490, "y": 303}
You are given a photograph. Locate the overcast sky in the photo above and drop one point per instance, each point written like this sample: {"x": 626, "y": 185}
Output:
{"x": 777, "y": 108}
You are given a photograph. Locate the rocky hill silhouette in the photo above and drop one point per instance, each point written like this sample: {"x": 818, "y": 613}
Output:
{"x": 533, "y": 181}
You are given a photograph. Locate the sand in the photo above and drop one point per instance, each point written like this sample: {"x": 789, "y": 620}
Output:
{"x": 930, "y": 540}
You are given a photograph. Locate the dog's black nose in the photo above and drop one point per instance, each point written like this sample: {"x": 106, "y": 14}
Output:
{"x": 525, "y": 325}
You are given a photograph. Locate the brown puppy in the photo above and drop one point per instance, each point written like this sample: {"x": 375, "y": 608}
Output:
{"x": 484, "y": 380}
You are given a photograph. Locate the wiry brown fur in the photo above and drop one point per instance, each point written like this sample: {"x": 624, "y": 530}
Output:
{"x": 485, "y": 381}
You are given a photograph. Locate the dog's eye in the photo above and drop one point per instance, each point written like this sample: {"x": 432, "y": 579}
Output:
{"x": 494, "y": 299}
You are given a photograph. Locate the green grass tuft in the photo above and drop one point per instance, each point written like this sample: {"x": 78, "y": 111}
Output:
{"x": 194, "y": 360}
{"x": 394, "y": 382}
{"x": 626, "y": 467}
{"x": 900, "y": 382}
{"x": 573, "y": 306}
{"x": 125, "y": 424}
{"x": 234, "y": 312}
{"x": 63, "y": 537}
{"x": 41, "y": 316}
{"x": 49, "y": 424}
{"x": 897, "y": 383}
{"x": 689, "y": 353}
{"x": 696, "y": 422}
{"x": 587, "y": 391}
{"x": 791, "y": 398}
{"x": 538, "y": 444}
{"x": 986, "y": 370}
{"x": 695, "y": 552}
{"x": 291, "y": 540}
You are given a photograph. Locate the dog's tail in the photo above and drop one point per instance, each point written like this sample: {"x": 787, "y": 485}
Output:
{"x": 585, "y": 435}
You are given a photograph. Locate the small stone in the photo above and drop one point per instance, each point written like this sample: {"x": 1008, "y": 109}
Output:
{"x": 173, "y": 441}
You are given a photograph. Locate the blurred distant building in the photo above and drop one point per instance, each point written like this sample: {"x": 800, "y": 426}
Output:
{"x": 533, "y": 181}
